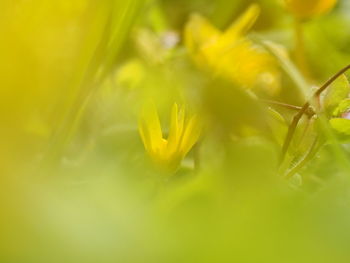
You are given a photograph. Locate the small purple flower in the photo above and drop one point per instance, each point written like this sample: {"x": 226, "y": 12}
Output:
{"x": 346, "y": 115}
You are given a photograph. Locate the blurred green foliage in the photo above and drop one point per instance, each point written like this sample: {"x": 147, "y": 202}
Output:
{"x": 76, "y": 182}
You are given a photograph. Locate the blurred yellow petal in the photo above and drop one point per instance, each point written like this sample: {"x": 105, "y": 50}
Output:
{"x": 174, "y": 129}
{"x": 191, "y": 135}
{"x": 230, "y": 54}
{"x": 150, "y": 127}
{"x": 145, "y": 136}
{"x": 309, "y": 8}
{"x": 243, "y": 24}
{"x": 199, "y": 31}
{"x": 245, "y": 63}
{"x": 199, "y": 34}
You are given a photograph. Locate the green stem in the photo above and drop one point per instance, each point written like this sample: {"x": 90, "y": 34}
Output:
{"x": 309, "y": 156}
{"x": 305, "y": 131}
{"x": 281, "y": 104}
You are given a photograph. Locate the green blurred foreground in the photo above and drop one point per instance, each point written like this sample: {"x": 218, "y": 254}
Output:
{"x": 162, "y": 131}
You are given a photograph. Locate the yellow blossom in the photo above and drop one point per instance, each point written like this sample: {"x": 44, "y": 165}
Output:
{"x": 183, "y": 134}
{"x": 309, "y": 8}
{"x": 230, "y": 53}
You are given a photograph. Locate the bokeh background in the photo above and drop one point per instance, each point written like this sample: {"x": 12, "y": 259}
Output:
{"x": 76, "y": 183}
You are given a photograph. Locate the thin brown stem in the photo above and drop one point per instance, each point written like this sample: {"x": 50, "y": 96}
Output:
{"x": 331, "y": 80}
{"x": 291, "y": 131}
{"x": 303, "y": 110}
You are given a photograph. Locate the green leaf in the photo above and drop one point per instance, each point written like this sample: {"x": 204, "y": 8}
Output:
{"x": 336, "y": 93}
{"x": 343, "y": 107}
{"x": 341, "y": 125}
{"x": 277, "y": 125}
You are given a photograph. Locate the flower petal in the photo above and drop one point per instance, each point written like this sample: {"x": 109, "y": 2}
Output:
{"x": 242, "y": 25}
{"x": 190, "y": 136}
{"x": 173, "y": 130}
{"x": 199, "y": 33}
{"x": 150, "y": 127}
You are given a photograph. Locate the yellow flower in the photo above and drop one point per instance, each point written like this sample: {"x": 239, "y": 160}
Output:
{"x": 230, "y": 54}
{"x": 309, "y": 8}
{"x": 183, "y": 134}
